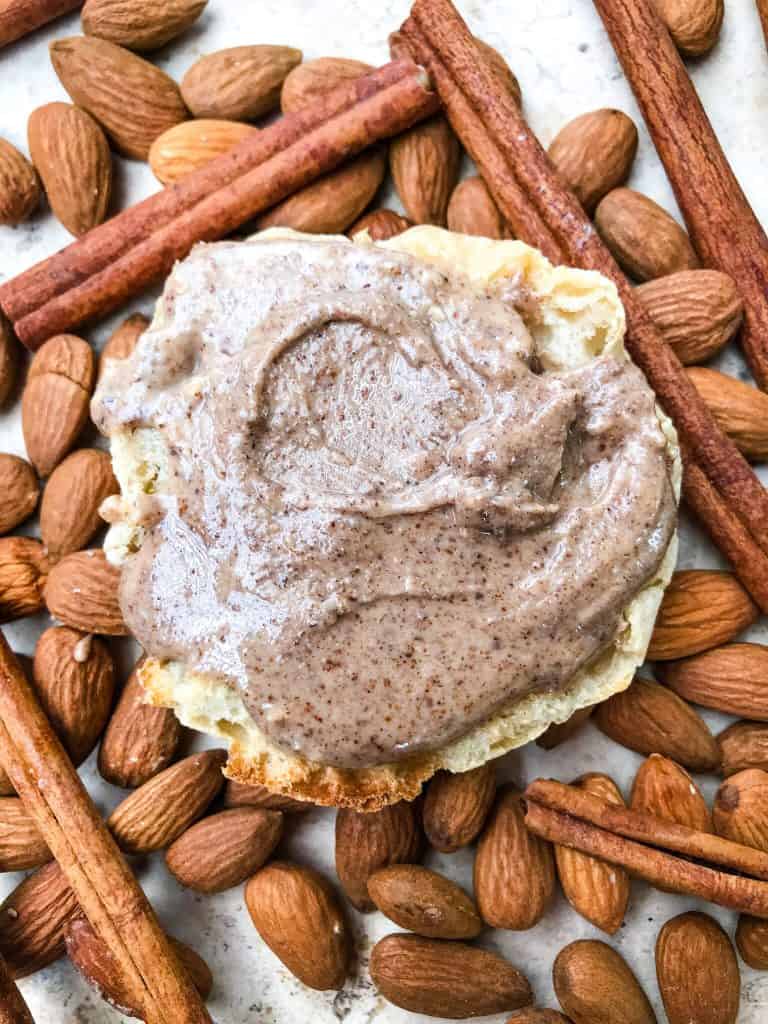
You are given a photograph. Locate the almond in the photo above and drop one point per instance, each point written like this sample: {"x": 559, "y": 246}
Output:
{"x": 743, "y": 745}
{"x": 33, "y": 919}
{"x": 644, "y": 239}
{"x": 697, "y": 971}
{"x": 665, "y": 790}
{"x": 19, "y": 491}
{"x": 69, "y": 513}
{"x": 733, "y": 678}
{"x": 425, "y": 164}
{"x": 380, "y": 225}
{"x": 296, "y": 913}
{"x": 23, "y": 568}
{"x": 81, "y": 591}
{"x": 19, "y": 185}
{"x": 514, "y": 872}
{"x": 157, "y": 813}
{"x": 752, "y": 941}
{"x": 594, "y": 983}
{"x": 693, "y": 24}
{"x": 445, "y": 979}
{"x": 424, "y": 902}
{"x": 54, "y": 406}
{"x": 472, "y": 211}
{"x": 740, "y": 812}
{"x": 740, "y": 410}
{"x": 75, "y": 681}
{"x": 697, "y": 311}
{"x": 559, "y": 732}
{"x": 123, "y": 339}
{"x": 536, "y": 1015}
{"x": 193, "y": 144}
{"x": 140, "y": 740}
{"x": 367, "y": 842}
{"x": 307, "y": 82}
{"x": 72, "y": 157}
{"x": 9, "y": 356}
{"x": 132, "y": 100}
{"x": 238, "y": 84}
{"x": 502, "y": 69}
{"x": 21, "y": 845}
{"x": 237, "y": 794}
{"x": 224, "y": 850}
{"x": 140, "y": 24}
{"x": 650, "y": 718}
{"x": 457, "y": 805}
{"x": 596, "y": 890}
{"x": 594, "y": 153}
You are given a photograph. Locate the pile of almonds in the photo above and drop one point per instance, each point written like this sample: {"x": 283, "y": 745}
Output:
{"x": 217, "y": 837}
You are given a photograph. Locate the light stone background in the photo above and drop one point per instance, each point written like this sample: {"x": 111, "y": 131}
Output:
{"x": 566, "y": 66}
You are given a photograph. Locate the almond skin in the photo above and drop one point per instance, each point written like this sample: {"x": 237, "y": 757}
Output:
{"x": 740, "y": 811}
{"x": 307, "y": 82}
{"x": 594, "y": 983}
{"x": 740, "y": 410}
{"x": 9, "y": 360}
{"x": 380, "y": 225}
{"x": 445, "y": 979}
{"x": 502, "y": 69}
{"x": 665, "y": 790}
{"x": 69, "y": 512}
{"x": 650, "y": 718}
{"x": 693, "y": 24}
{"x": 81, "y": 591}
{"x": 559, "y": 732}
{"x": 424, "y": 902}
{"x": 732, "y": 678}
{"x": 238, "y": 84}
{"x": 697, "y": 971}
{"x": 643, "y": 238}
{"x": 123, "y": 340}
{"x": 19, "y": 186}
{"x": 23, "y": 569}
{"x": 594, "y": 153}
{"x": 514, "y": 876}
{"x": 535, "y": 1015}
{"x": 21, "y": 845}
{"x": 132, "y": 100}
{"x": 752, "y": 941}
{"x": 295, "y": 911}
{"x": 192, "y": 144}
{"x": 472, "y": 211}
{"x": 224, "y": 850}
{"x": 237, "y": 794}
{"x": 19, "y": 491}
{"x": 424, "y": 162}
{"x": 71, "y": 154}
{"x": 33, "y": 920}
{"x": 457, "y": 805}
{"x": 367, "y": 842}
{"x": 140, "y": 24}
{"x": 743, "y": 745}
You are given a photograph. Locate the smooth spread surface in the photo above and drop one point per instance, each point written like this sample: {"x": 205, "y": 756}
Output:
{"x": 378, "y": 519}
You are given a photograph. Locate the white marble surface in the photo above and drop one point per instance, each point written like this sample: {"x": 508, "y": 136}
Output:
{"x": 566, "y": 66}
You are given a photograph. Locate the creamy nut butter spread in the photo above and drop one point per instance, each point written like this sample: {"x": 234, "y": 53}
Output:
{"x": 378, "y": 516}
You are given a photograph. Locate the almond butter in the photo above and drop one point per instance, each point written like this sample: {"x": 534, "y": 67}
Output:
{"x": 193, "y": 144}
{"x": 743, "y": 745}
{"x": 19, "y": 491}
{"x": 33, "y": 920}
{"x": 650, "y": 718}
{"x": 23, "y": 569}
{"x": 514, "y": 875}
{"x": 740, "y": 410}
{"x": 157, "y": 813}
{"x": 697, "y": 311}
{"x": 457, "y": 805}
{"x": 732, "y": 678}
{"x": 697, "y": 971}
{"x": 472, "y": 211}
{"x": 380, "y": 225}
{"x": 693, "y": 24}
{"x": 140, "y": 24}
{"x": 123, "y": 340}
{"x": 19, "y": 186}
{"x": 594, "y": 153}
{"x": 81, "y": 591}
{"x": 71, "y": 155}
{"x": 21, "y": 845}
{"x": 241, "y": 83}
{"x": 424, "y": 162}
{"x": 237, "y": 794}
{"x": 367, "y": 842}
{"x": 69, "y": 512}
{"x": 560, "y": 732}
{"x": 596, "y": 890}
{"x": 132, "y": 100}
{"x": 752, "y": 941}
{"x": 643, "y": 238}
{"x": 594, "y": 983}
{"x": 740, "y": 811}
{"x": 424, "y": 902}
{"x": 445, "y": 979}
{"x": 665, "y": 790}
{"x": 295, "y": 911}
{"x": 9, "y": 359}
{"x": 315, "y": 78}
{"x": 502, "y": 69}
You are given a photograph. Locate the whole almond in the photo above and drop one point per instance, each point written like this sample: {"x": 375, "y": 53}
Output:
{"x": 238, "y": 84}
{"x": 595, "y": 985}
{"x": 157, "y": 813}
{"x": 367, "y": 842}
{"x": 559, "y": 732}
{"x": 740, "y": 410}
{"x": 132, "y": 100}
{"x": 697, "y": 971}
{"x": 457, "y": 805}
{"x": 380, "y": 225}
{"x": 69, "y": 512}
{"x": 33, "y": 920}
{"x": 697, "y": 311}
{"x": 732, "y": 678}
{"x": 193, "y": 144}
{"x": 307, "y": 82}
{"x": 740, "y": 812}
{"x": 123, "y": 339}
{"x": 81, "y": 591}
{"x": 23, "y": 569}
{"x": 296, "y": 913}
{"x": 75, "y": 681}
{"x": 501, "y": 69}
{"x": 665, "y": 790}
{"x": 643, "y": 238}
{"x": 743, "y": 745}
{"x": 596, "y": 890}
{"x": 425, "y": 164}
{"x": 445, "y": 979}
{"x": 19, "y": 186}
{"x": 536, "y": 1015}
{"x": 472, "y": 211}
{"x": 140, "y": 24}
{"x": 594, "y": 153}
{"x": 72, "y": 157}
{"x": 19, "y": 491}
{"x": 514, "y": 875}
{"x": 237, "y": 794}
{"x": 21, "y": 845}
{"x": 701, "y": 608}
{"x": 224, "y": 850}
{"x": 693, "y": 24}
{"x": 752, "y": 941}
{"x": 650, "y": 718}
{"x": 424, "y": 902}
{"x": 9, "y": 359}
{"x": 140, "y": 740}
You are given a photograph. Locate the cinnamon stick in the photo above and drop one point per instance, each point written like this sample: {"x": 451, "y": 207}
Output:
{"x": 13, "y": 1009}
{"x": 20, "y": 17}
{"x": 720, "y": 220}
{"x": 104, "y": 885}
